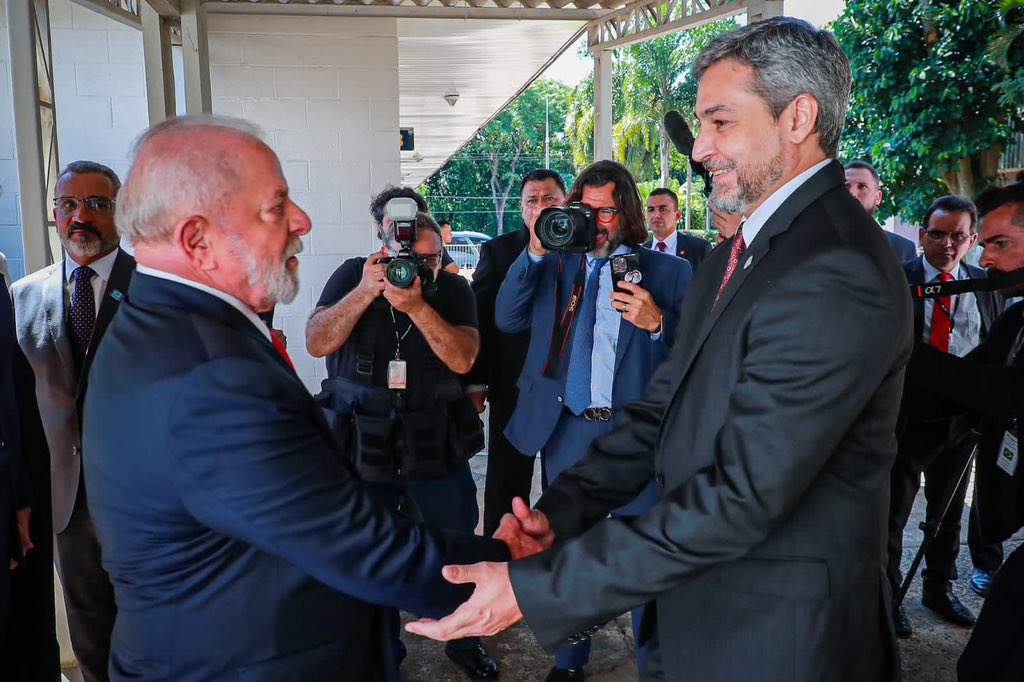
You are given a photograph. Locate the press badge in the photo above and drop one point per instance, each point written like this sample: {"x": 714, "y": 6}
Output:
{"x": 396, "y": 374}
{"x": 1007, "y": 460}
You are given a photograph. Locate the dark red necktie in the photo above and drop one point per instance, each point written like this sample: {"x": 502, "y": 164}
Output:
{"x": 281, "y": 349}
{"x": 735, "y": 253}
{"x": 661, "y": 247}
{"x": 942, "y": 323}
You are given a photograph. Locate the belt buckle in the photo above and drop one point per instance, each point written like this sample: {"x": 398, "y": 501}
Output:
{"x": 597, "y": 414}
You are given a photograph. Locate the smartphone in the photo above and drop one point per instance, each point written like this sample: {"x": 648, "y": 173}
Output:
{"x": 625, "y": 267}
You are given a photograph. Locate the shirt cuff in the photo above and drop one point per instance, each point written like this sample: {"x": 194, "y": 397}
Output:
{"x": 534, "y": 258}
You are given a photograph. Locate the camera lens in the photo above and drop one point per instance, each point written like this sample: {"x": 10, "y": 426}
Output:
{"x": 401, "y": 272}
{"x": 555, "y": 229}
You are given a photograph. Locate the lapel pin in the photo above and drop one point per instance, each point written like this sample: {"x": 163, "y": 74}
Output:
{"x": 116, "y": 295}
{"x": 750, "y": 259}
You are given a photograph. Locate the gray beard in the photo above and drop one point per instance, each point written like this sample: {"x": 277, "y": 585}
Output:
{"x": 751, "y": 186}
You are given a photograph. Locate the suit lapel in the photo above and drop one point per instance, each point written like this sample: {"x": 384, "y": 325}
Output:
{"x": 117, "y": 287}
{"x": 780, "y": 221}
{"x": 56, "y": 321}
{"x": 915, "y": 275}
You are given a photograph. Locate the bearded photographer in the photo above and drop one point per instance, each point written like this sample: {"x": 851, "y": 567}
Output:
{"x": 989, "y": 384}
{"x": 397, "y": 330}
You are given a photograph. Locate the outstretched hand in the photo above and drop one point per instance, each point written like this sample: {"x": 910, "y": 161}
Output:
{"x": 491, "y": 609}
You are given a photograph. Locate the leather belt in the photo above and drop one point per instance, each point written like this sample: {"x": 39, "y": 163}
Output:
{"x": 597, "y": 414}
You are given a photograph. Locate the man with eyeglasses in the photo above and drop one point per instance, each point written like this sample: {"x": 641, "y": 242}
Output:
{"x": 62, "y": 312}
{"x": 616, "y": 339}
{"x": 393, "y": 360}
{"x": 933, "y": 446}
{"x": 663, "y": 217}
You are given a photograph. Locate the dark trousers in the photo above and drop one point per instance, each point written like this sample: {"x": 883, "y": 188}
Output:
{"x": 995, "y": 651}
{"x": 88, "y": 594}
{"x": 509, "y": 472}
{"x": 904, "y": 482}
{"x": 984, "y": 556}
{"x": 448, "y": 503}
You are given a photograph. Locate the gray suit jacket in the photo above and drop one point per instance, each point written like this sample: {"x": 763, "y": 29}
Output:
{"x": 43, "y": 335}
{"x": 769, "y": 433}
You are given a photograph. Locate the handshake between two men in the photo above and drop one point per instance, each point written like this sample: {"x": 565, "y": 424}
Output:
{"x": 492, "y": 607}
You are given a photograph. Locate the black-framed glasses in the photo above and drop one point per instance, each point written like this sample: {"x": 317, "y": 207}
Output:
{"x": 68, "y": 205}
{"x": 938, "y": 236}
{"x": 606, "y": 213}
{"x": 433, "y": 259}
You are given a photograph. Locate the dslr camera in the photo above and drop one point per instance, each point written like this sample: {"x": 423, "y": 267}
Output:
{"x": 407, "y": 265}
{"x": 569, "y": 229}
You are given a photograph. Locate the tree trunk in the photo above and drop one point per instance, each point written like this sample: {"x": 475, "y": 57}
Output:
{"x": 664, "y": 148}
{"x": 967, "y": 177}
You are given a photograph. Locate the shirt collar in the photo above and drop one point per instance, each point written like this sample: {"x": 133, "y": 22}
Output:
{"x": 932, "y": 273}
{"x": 669, "y": 241}
{"x": 224, "y": 296}
{"x": 102, "y": 266}
{"x": 617, "y": 252}
{"x": 752, "y": 224}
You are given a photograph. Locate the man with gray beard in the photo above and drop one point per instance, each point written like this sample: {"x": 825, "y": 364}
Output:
{"x": 62, "y": 312}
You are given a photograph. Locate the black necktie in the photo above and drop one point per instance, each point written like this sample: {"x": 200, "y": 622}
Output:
{"x": 83, "y": 311}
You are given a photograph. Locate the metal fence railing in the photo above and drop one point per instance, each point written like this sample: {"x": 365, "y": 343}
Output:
{"x": 466, "y": 256}
{"x": 1013, "y": 155}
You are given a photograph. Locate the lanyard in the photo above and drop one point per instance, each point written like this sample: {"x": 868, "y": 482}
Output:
{"x": 398, "y": 339}
{"x": 562, "y": 327}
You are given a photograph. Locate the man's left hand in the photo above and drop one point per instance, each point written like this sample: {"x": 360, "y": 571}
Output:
{"x": 491, "y": 609}
{"x": 637, "y": 306}
{"x": 408, "y": 300}
{"x": 24, "y": 517}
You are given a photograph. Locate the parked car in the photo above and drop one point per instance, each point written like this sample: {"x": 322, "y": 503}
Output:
{"x": 465, "y": 248}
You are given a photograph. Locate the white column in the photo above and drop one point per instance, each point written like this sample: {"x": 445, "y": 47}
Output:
{"x": 21, "y": 34}
{"x": 602, "y": 105}
{"x": 764, "y": 10}
{"x": 156, "y": 50}
{"x": 195, "y": 51}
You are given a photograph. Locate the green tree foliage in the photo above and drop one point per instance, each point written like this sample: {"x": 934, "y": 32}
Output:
{"x": 478, "y": 189}
{"x": 1007, "y": 50}
{"x": 922, "y": 108}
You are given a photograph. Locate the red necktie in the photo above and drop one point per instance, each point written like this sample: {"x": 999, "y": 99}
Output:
{"x": 661, "y": 247}
{"x": 281, "y": 349}
{"x": 735, "y": 253}
{"x": 942, "y": 323}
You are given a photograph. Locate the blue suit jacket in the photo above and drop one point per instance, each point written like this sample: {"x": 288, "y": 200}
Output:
{"x": 903, "y": 248}
{"x": 527, "y": 300}
{"x": 239, "y": 540}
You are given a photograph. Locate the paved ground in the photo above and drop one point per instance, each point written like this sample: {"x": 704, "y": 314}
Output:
{"x": 929, "y": 656}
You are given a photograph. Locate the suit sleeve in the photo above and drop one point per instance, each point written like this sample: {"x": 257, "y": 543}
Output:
{"x": 486, "y": 280}
{"x": 683, "y": 274}
{"x": 784, "y": 423}
{"x": 258, "y": 467}
{"x": 513, "y": 308}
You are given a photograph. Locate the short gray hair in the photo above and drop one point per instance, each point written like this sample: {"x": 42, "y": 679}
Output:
{"x": 789, "y": 58}
{"x": 176, "y": 172}
{"x": 79, "y": 167}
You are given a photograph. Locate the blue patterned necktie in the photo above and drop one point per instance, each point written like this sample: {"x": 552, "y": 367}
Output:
{"x": 83, "y": 311}
{"x": 577, "y": 388}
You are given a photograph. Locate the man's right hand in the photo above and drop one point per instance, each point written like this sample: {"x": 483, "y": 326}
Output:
{"x": 372, "y": 282}
{"x": 478, "y": 398}
{"x": 526, "y": 531}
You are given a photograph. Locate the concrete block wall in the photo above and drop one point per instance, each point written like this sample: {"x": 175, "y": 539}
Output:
{"x": 10, "y": 217}
{"x": 325, "y": 93}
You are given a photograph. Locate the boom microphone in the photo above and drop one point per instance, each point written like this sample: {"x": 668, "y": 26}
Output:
{"x": 996, "y": 280}
{"x": 682, "y": 139}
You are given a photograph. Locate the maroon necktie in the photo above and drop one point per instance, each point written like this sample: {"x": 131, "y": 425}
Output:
{"x": 942, "y": 323}
{"x": 661, "y": 247}
{"x": 279, "y": 345}
{"x": 735, "y": 253}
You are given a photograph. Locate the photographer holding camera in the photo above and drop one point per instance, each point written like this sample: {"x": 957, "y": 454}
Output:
{"x": 602, "y": 312}
{"x": 397, "y": 331}
{"x": 988, "y": 384}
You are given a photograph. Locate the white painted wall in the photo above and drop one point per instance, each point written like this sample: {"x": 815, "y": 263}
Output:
{"x": 10, "y": 218}
{"x": 325, "y": 92}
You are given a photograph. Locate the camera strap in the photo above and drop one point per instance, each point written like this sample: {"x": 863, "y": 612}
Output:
{"x": 563, "y": 320}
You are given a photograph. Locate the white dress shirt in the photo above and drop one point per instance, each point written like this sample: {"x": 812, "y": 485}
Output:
{"x": 671, "y": 246}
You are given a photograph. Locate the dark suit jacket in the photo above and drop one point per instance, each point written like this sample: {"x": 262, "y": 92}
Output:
{"x": 693, "y": 249}
{"x": 903, "y": 248}
{"x": 60, "y": 384}
{"x": 526, "y": 302}
{"x": 239, "y": 540}
{"x": 501, "y": 355}
{"x": 769, "y": 431}
{"x": 925, "y": 433}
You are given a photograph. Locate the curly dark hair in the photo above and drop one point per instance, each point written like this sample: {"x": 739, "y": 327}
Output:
{"x": 626, "y": 195}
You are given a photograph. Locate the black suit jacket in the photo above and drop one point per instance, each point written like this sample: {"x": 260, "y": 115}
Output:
{"x": 239, "y": 539}
{"x": 693, "y": 249}
{"x": 501, "y": 355}
{"x": 769, "y": 432}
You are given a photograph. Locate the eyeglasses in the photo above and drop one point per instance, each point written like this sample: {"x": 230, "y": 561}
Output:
{"x": 606, "y": 213}
{"x": 938, "y": 236}
{"x": 432, "y": 260}
{"x": 68, "y": 205}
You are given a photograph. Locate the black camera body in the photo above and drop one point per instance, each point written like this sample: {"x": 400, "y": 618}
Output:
{"x": 568, "y": 229}
{"x": 404, "y": 268}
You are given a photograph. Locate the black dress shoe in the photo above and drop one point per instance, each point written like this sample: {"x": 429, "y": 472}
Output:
{"x": 474, "y": 661}
{"x": 903, "y": 628}
{"x": 948, "y": 607}
{"x": 565, "y": 675}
